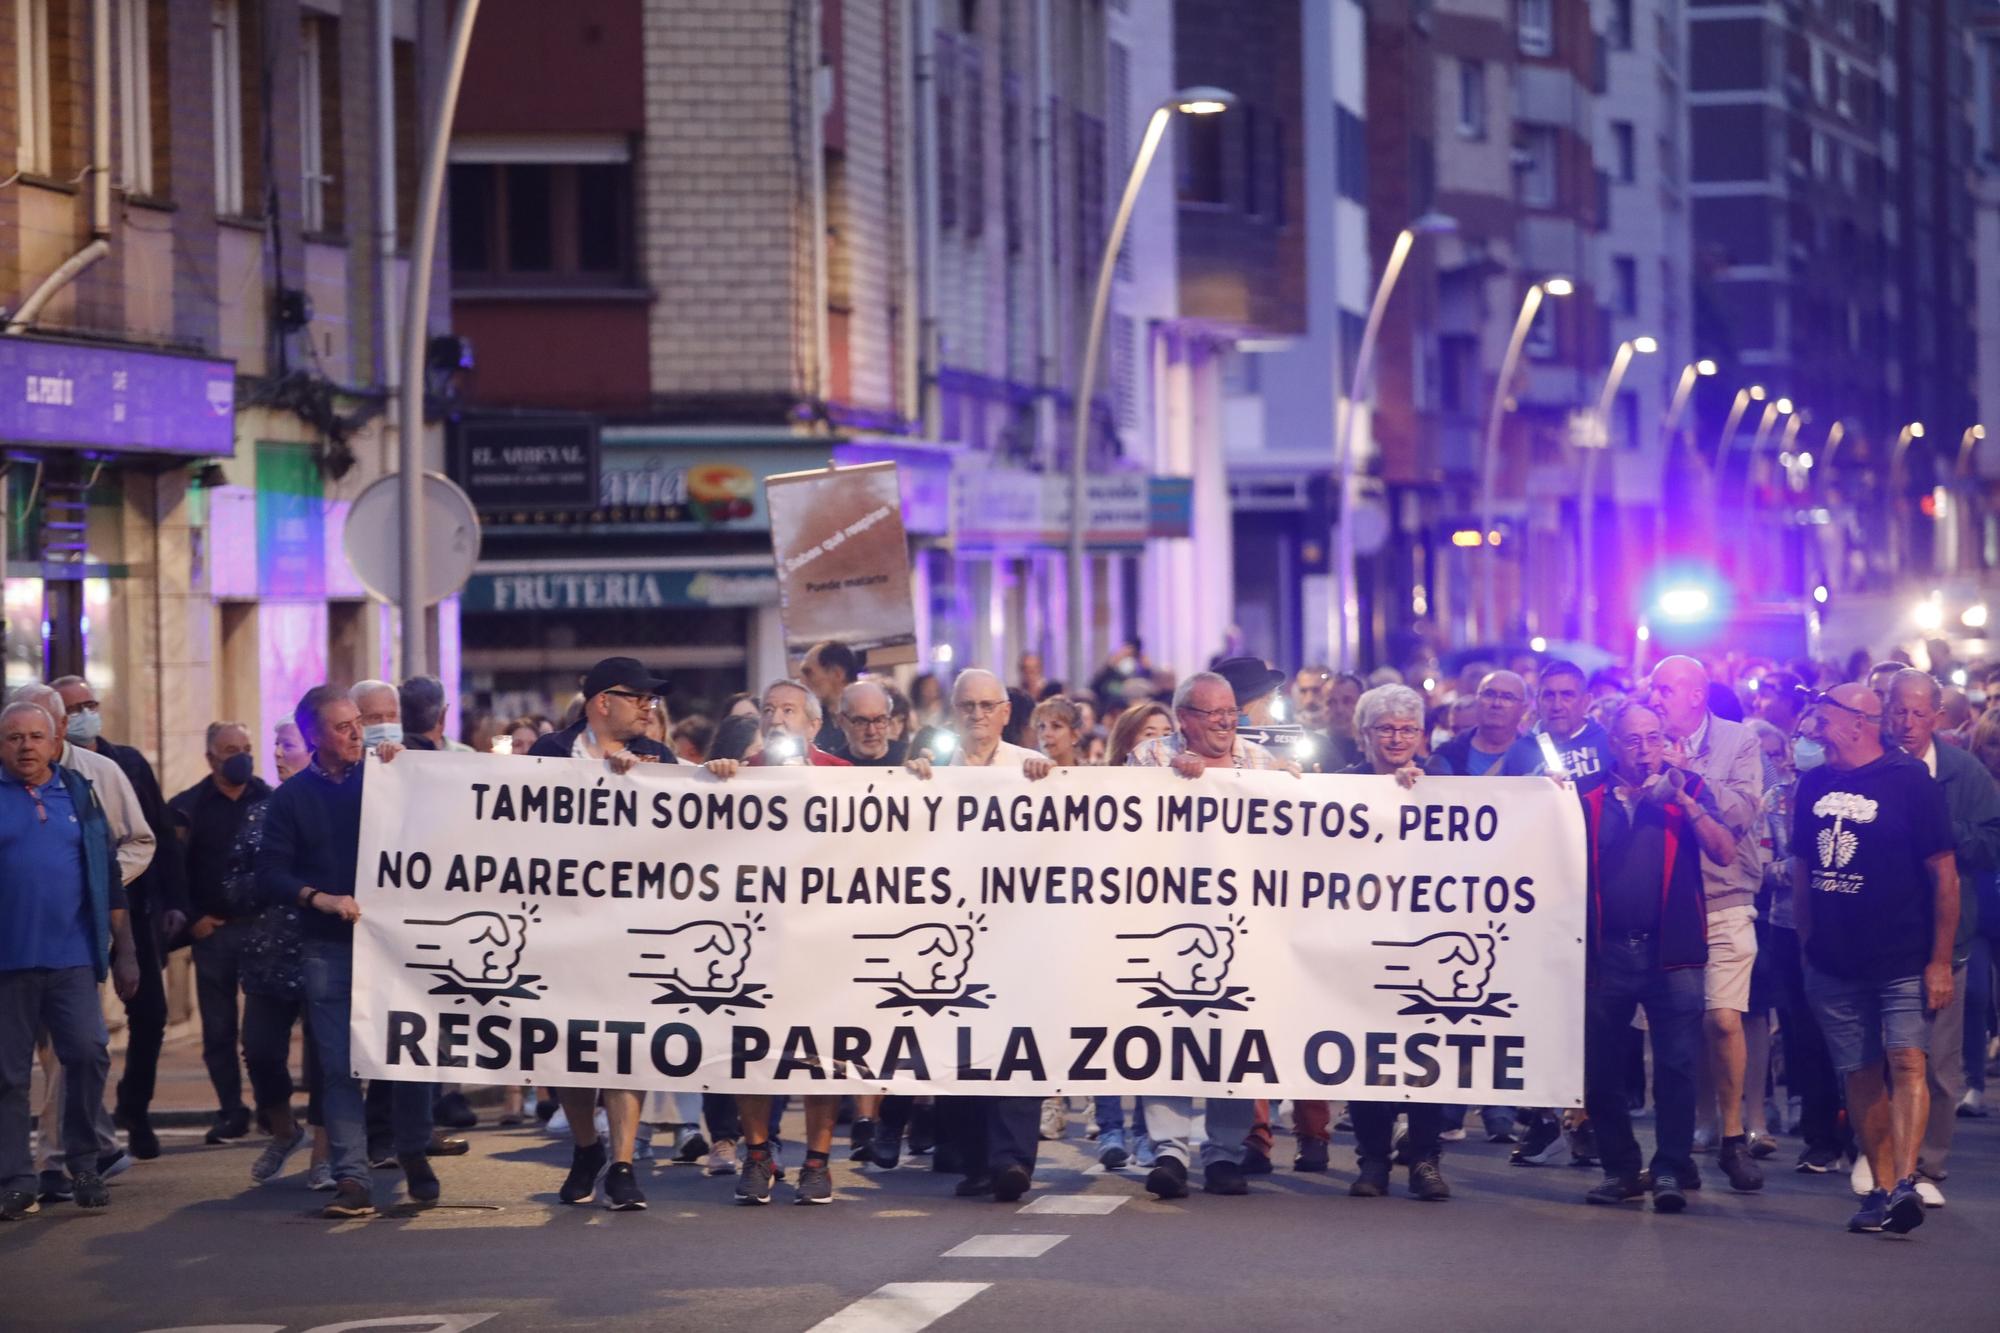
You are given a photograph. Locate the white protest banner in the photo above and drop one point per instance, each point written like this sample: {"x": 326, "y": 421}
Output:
{"x": 861, "y": 930}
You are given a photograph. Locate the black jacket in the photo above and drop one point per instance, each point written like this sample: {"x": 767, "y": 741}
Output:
{"x": 162, "y": 886}
{"x": 560, "y": 744}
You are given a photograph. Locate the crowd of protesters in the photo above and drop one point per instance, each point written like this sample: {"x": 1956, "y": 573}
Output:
{"x": 1792, "y": 874}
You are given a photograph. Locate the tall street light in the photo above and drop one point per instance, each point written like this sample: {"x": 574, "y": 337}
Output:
{"x": 1670, "y": 424}
{"x": 1489, "y": 467}
{"x": 1900, "y": 536}
{"x": 1187, "y": 102}
{"x": 1586, "y": 601}
{"x": 1965, "y": 472}
{"x": 1343, "y": 631}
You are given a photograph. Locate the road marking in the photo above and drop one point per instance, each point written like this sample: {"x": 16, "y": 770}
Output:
{"x": 900, "y": 1307}
{"x": 1030, "y": 1246}
{"x": 1075, "y": 1205}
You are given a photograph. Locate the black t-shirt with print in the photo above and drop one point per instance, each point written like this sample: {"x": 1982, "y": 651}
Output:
{"x": 1863, "y": 835}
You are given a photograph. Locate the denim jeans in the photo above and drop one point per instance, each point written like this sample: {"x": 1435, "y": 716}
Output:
{"x": 1170, "y": 1122}
{"x": 1623, "y": 978}
{"x": 329, "y": 970}
{"x": 63, "y": 1000}
{"x": 1978, "y": 1007}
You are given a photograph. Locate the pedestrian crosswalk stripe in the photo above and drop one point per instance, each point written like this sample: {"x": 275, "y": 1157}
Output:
{"x": 1075, "y": 1205}
{"x": 1029, "y": 1246}
{"x": 900, "y": 1307}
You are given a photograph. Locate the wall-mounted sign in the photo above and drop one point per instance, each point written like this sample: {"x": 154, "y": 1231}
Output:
{"x": 650, "y": 483}
{"x": 74, "y": 396}
{"x": 1005, "y": 507}
{"x": 618, "y": 590}
{"x": 545, "y": 462}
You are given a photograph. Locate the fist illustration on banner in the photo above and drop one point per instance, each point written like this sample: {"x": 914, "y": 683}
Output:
{"x": 703, "y": 955}
{"x": 1450, "y": 967}
{"x": 474, "y": 948}
{"x": 1188, "y": 959}
{"x": 927, "y": 959}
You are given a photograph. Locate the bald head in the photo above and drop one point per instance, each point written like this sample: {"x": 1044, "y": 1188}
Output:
{"x": 1679, "y": 694}
{"x": 1851, "y": 726}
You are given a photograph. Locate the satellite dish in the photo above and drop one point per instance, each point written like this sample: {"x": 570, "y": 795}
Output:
{"x": 373, "y": 538}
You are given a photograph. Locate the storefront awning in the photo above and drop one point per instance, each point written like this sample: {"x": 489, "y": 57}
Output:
{"x": 62, "y": 395}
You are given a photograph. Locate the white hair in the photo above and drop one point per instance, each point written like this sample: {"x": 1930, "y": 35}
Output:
{"x": 812, "y": 700}
{"x": 848, "y": 695}
{"x": 44, "y": 697}
{"x": 1185, "y": 690}
{"x": 20, "y": 705}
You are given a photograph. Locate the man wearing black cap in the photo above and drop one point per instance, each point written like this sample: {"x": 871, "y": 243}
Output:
{"x": 618, "y": 696}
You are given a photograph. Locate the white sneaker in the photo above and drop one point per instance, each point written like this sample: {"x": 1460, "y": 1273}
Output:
{"x": 1932, "y": 1196}
{"x": 1453, "y": 1135}
{"x": 722, "y": 1158}
{"x": 1862, "y": 1178}
{"x": 1972, "y": 1105}
{"x": 558, "y": 1126}
{"x": 1055, "y": 1117}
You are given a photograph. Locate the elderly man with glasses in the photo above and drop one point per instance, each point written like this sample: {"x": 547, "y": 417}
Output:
{"x": 868, "y": 721}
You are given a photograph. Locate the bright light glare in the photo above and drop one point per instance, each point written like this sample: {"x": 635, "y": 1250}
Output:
{"x": 1684, "y": 603}
{"x": 1558, "y": 286}
{"x": 1645, "y": 345}
{"x": 1201, "y": 107}
{"x": 1805, "y": 461}
{"x": 1974, "y": 616}
{"x": 943, "y": 743}
{"x": 1465, "y": 537}
{"x": 1916, "y": 430}
{"x": 942, "y": 654}
{"x": 1819, "y": 594}
{"x": 1278, "y": 709}
{"x": 1704, "y": 367}
{"x": 1784, "y": 407}
{"x": 1645, "y": 633}
{"x": 1492, "y": 539}
{"x": 1958, "y": 675}
{"x": 1757, "y": 392}
{"x": 1928, "y": 615}
{"x": 1538, "y": 644}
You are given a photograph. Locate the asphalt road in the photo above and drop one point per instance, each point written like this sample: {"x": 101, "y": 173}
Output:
{"x": 189, "y": 1243}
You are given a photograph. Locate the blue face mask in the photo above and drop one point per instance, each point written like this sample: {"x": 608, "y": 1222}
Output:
{"x": 84, "y": 728}
{"x": 382, "y": 733}
{"x": 1807, "y": 753}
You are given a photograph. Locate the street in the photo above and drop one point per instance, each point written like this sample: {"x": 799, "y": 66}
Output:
{"x": 189, "y": 1243}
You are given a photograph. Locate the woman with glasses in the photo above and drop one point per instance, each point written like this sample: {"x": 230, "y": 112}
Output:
{"x": 1389, "y": 722}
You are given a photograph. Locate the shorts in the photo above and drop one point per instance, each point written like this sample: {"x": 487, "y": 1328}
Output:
{"x": 1732, "y": 952}
{"x": 1863, "y": 1019}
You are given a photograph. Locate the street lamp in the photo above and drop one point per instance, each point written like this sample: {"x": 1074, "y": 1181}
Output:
{"x": 1586, "y": 601}
{"x": 1197, "y": 101}
{"x": 1913, "y": 431}
{"x": 1344, "y": 625}
{"x": 1741, "y": 403}
{"x": 1489, "y": 466}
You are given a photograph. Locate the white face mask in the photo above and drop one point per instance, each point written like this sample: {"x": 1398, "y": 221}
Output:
{"x": 382, "y": 733}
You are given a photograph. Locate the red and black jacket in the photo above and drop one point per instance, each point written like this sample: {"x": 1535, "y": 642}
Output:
{"x": 1682, "y": 940}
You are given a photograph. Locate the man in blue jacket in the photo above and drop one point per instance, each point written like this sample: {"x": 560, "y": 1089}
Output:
{"x": 63, "y": 929}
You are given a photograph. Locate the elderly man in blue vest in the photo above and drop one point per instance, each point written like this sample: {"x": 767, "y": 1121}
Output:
{"x": 63, "y": 929}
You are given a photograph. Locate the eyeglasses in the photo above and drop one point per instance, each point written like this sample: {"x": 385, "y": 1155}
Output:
{"x": 1499, "y": 697}
{"x": 84, "y": 706}
{"x": 1215, "y": 717}
{"x": 1851, "y": 712}
{"x": 979, "y": 707}
{"x": 1396, "y": 733}
{"x": 868, "y": 723}
{"x": 637, "y": 700}
{"x": 1640, "y": 742}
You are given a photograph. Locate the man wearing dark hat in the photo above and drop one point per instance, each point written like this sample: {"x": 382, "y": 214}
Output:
{"x": 618, "y": 696}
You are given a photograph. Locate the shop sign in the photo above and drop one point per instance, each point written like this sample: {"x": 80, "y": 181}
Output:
{"x": 1004, "y": 507}
{"x": 544, "y": 462}
{"x": 645, "y": 486}
{"x": 617, "y": 590}
{"x": 74, "y": 396}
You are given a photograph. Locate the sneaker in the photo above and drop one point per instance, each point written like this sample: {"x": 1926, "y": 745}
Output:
{"x": 271, "y": 1162}
{"x": 1582, "y": 1145}
{"x": 620, "y": 1190}
{"x": 350, "y": 1199}
{"x": 754, "y": 1185}
{"x": 815, "y": 1183}
{"x": 557, "y": 1124}
{"x": 1111, "y": 1151}
{"x": 1055, "y": 1117}
{"x": 1817, "y": 1161}
{"x": 54, "y": 1187}
{"x": 139, "y": 1136}
{"x": 1668, "y": 1197}
{"x": 1498, "y": 1130}
{"x": 1373, "y": 1182}
{"x": 722, "y": 1158}
{"x": 585, "y": 1165}
{"x": 90, "y": 1191}
{"x": 693, "y": 1148}
{"x": 1972, "y": 1105}
{"x": 114, "y": 1163}
{"x": 1616, "y": 1190}
{"x": 17, "y": 1204}
{"x": 1704, "y": 1140}
{"x": 1862, "y": 1178}
{"x": 1145, "y": 1152}
{"x": 1905, "y": 1207}
{"x": 1544, "y": 1146}
{"x": 320, "y": 1178}
{"x": 1873, "y": 1215}
{"x": 975, "y": 1186}
{"x": 381, "y": 1157}
{"x": 228, "y": 1125}
{"x": 923, "y": 1129}
{"x": 440, "y": 1146}
{"x": 419, "y": 1179}
{"x": 453, "y": 1111}
{"x": 1427, "y": 1182}
{"x": 1312, "y": 1156}
{"x": 1010, "y": 1183}
{"x": 1456, "y": 1134}
{"x": 1745, "y": 1176}
{"x": 861, "y": 1140}
{"x": 1226, "y": 1178}
{"x": 887, "y": 1149}
{"x": 1345, "y": 1124}
{"x": 1762, "y": 1146}
{"x": 1167, "y": 1179}
{"x": 1256, "y": 1162}
{"x": 1927, "y": 1190}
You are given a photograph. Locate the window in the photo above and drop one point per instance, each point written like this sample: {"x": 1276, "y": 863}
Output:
{"x": 1252, "y": 173}
{"x": 1621, "y": 25}
{"x": 1535, "y": 27}
{"x": 1624, "y": 151}
{"x": 319, "y": 124}
{"x": 1281, "y": 202}
{"x": 1091, "y": 223}
{"x": 541, "y": 224}
{"x": 1625, "y": 282}
{"x": 139, "y": 34}
{"x": 1536, "y": 166}
{"x": 1351, "y": 160}
{"x": 403, "y": 91}
{"x": 1472, "y": 98}
{"x": 1201, "y": 160}
{"x": 35, "y": 151}
{"x": 945, "y": 65}
{"x": 1628, "y": 418}
{"x": 236, "y": 95}
{"x": 1822, "y": 158}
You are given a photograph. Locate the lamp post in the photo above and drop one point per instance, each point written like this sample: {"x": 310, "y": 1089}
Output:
{"x": 1187, "y": 102}
{"x": 1965, "y": 472}
{"x": 1744, "y": 397}
{"x": 1344, "y": 624}
{"x": 1670, "y": 424}
{"x": 1586, "y": 600}
{"x": 1489, "y": 466}
{"x": 1900, "y": 537}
